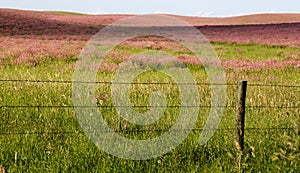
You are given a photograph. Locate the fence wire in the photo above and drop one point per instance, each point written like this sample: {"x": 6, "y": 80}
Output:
{"x": 144, "y": 83}
{"x": 143, "y": 131}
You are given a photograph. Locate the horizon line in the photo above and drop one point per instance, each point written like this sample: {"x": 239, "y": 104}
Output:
{"x": 161, "y": 13}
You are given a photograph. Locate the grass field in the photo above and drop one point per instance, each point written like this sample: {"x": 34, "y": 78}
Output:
{"x": 40, "y": 132}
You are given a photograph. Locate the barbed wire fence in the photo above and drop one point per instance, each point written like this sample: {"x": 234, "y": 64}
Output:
{"x": 13, "y": 106}
{"x": 6, "y": 106}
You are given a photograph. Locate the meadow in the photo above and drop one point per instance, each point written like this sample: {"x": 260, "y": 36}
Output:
{"x": 40, "y": 132}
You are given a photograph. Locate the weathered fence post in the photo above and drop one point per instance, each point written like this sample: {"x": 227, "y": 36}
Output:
{"x": 240, "y": 118}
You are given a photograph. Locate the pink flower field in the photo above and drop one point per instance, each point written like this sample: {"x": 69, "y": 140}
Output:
{"x": 27, "y": 36}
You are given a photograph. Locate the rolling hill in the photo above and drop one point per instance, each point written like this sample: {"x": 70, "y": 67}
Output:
{"x": 274, "y": 29}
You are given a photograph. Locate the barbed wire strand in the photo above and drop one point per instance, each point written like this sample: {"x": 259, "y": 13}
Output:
{"x": 143, "y": 131}
{"x": 144, "y": 83}
{"x": 144, "y": 106}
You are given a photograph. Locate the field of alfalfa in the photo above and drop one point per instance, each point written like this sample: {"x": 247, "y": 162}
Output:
{"x": 39, "y": 131}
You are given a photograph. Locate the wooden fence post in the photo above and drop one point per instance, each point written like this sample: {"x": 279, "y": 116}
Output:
{"x": 240, "y": 118}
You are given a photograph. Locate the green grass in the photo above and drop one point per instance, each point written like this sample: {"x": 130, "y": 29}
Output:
{"x": 38, "y": 143}
{"x": 253, "y": 51}
{"x": 67, "y": 12}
